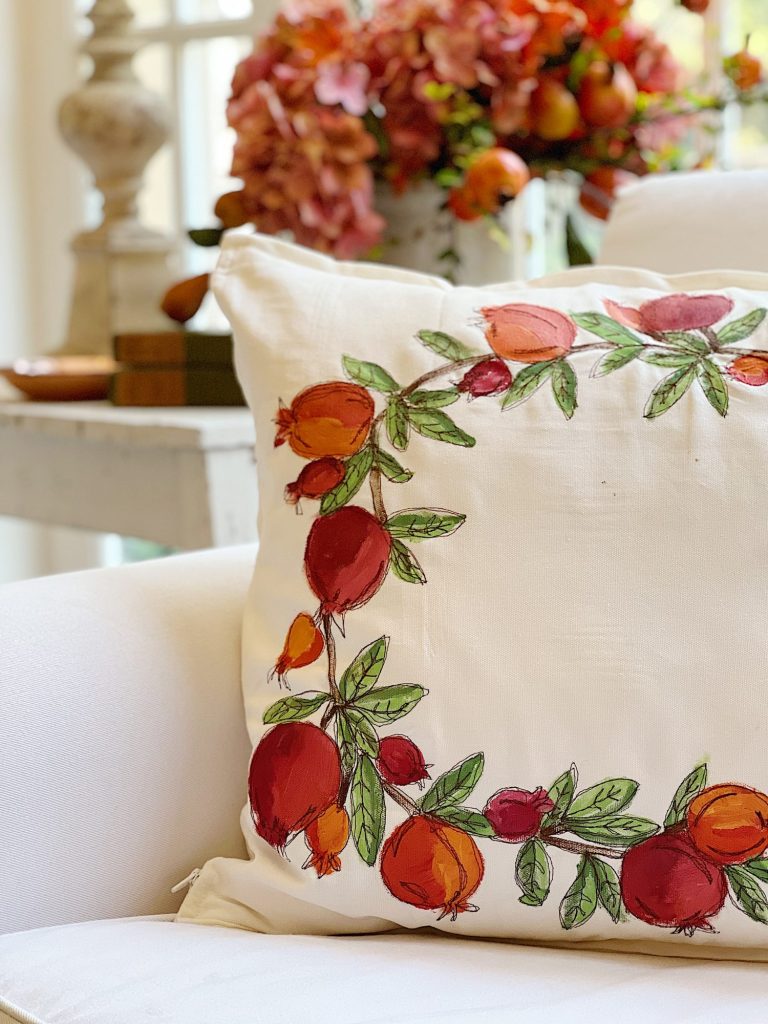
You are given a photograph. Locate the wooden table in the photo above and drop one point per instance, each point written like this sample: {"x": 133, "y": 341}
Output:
{"x": 181, "y": 477}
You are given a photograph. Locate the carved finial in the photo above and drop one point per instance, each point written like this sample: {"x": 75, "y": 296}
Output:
{"x": 116, "y": 126}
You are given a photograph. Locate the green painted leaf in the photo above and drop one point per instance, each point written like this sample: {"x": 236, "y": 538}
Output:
{"x": 605, "y": 798}
{"x": 619, "y": 830}
{"x": 533, "y": 872}
{"x": 747, "y": 895}
{"x": 669, "y": 391}
{"x": 404, "y": 564}
{"x": 758, "y": 868}
{"x": 691, "y": 786}
{"x": 738, "y": 330}
{"x": 346, "y": 745}
{"x": 434, "y": 399}
{"x": 370, "y": 375}
{"x": 671, "y": 360}
{"x": 561, "y": 794}
{"x": 615, "y": 359}
{"x": 606, "y": 328}
{"x": 295, "y": 707}
{"x": 687, "y": 342}
{"x": 362, "y": 732}
{"x": 396, "y": 419}
{"x": 713, "y": 385}
{"x": 357, "y": 469}
{"x": 386, "y": 704}
{"x": 455, "y": 785}
{"x": 424, "y": 523}
{"x": 467, "y": 819}
{"x": 445, "y": 345}
{"x": 580, "y": 902}
{"x": 436, "y": 425}
{"x": 206, "y": 238}
{"x": 527, "y": 383}
{"x": 391, "y": 468}
{"x": 368, "y": 810}
{"x": 363, "y": 673}
{"x": 565, "y": 387}
{"x": 608, "y": 888}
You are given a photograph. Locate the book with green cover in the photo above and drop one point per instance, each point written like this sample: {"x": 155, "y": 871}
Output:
{"x": 176, "y": 386}
{"x": 174, "y": 348}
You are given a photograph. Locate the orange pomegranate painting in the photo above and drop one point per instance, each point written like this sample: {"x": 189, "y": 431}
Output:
{"x": 352, "y": 777}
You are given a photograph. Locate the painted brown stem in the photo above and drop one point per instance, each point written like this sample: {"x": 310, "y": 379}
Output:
{"x": 427, "y": 378}
{"x": 572, "y": 846}
{"x": 330, "y": 646}
{"x": 400, "y": 798}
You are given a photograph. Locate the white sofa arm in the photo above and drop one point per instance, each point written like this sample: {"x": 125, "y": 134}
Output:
{"x": 123, "y": 752}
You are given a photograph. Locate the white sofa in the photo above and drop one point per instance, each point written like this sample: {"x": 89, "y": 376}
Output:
{"x": 123, "y": 761}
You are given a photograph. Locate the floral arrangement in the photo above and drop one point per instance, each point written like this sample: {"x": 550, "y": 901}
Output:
{"x": 342, "y": 777}
{"x": 474, "y": 95}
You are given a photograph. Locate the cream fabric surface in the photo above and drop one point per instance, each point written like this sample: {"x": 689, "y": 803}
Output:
{"x": 123, "y": 748}
{"x": 601, "y": 606}
{"x": 703, "y": 220}
{"x": 136, "y": 972}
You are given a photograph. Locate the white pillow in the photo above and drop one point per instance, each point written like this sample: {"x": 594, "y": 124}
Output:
{"x": 582, "y": 631}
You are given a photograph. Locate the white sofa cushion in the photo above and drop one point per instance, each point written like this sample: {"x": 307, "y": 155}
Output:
{"x": 679, "y": 223}
{"x": 141, "y": 971}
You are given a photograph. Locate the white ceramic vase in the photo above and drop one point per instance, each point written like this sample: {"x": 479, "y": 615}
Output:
{"x": 419, "y": 231}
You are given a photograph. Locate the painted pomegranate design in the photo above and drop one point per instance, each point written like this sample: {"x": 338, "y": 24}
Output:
{"x": 667, "y": 882}
{"x": 326, "y": 837}
{"x": 303, "y": 646}
{"x": 334, "y": 782}
{"x": 316, "y": 479}
{"x": 327, "y": 419}
{"x": 528, "y": 334}
{"x": 752, "y": 370}
{"x": 729, "y": 824}
{"x": 516, "y": 814}
{"x": 432, "y": 865}
{"x": 294, "y": 776}
{"x": 672, "y": 313}
{"x": 490, "y": 377}
{"x": 401, "y": 762}
{"x": 346, "y": 558}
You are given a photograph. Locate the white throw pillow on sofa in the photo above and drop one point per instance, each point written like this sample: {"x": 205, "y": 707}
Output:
{"x": 522, "y": 613}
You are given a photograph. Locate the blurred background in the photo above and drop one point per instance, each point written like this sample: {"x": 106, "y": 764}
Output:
{"x": 189, "y": 51}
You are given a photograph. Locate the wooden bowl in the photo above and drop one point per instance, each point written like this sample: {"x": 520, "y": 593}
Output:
{"x": 62, "y": 378}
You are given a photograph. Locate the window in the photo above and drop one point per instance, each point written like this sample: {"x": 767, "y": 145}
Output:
{"x": 701, "y": 44}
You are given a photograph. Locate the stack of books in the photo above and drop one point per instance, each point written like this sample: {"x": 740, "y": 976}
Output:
{"x": 175, "y": 368}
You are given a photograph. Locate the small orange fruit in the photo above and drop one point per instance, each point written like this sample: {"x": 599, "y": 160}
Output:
{"x": 729, "y": 823}
{"x": 303, "y": 646}
{"x": 184, "y": 299}
{"x": 327, "y": 419}
{"x": 326, "y": 837}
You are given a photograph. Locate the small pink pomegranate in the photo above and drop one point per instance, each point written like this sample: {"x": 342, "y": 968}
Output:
{"x": 401, "y": 762}
{"x": 516, "y": 814}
